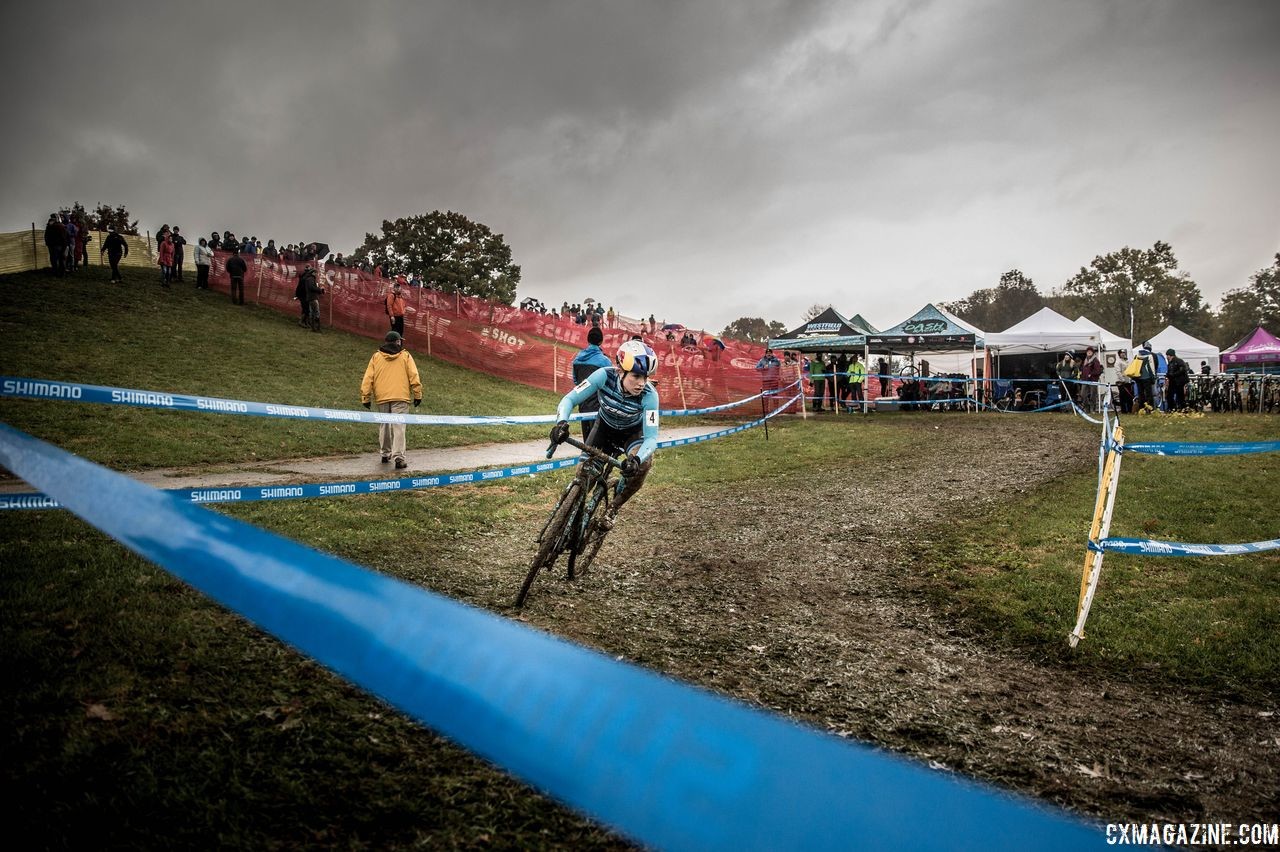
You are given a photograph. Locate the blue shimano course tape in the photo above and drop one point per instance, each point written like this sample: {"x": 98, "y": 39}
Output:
{"x": 1175, "y": 448}
{"x": 21, "y": 388}
{"x": 254, "y": 493}
{"x": 669, "y": 765}
{"x": 1152, "y": 547}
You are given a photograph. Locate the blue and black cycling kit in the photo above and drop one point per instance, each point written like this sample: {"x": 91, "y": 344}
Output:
{"x": 620, "y": 413}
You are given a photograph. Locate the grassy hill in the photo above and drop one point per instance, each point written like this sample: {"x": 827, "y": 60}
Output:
{"x": 181, "y": 340}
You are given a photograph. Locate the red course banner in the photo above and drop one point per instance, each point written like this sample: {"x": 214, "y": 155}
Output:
{"x": 505, "y": 341}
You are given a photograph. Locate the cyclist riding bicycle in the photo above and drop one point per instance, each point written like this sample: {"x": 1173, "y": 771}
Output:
{"x": 627, "y": 420}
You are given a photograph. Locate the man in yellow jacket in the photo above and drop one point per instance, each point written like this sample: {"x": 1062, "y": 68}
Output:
{"x": 391, "y": 380}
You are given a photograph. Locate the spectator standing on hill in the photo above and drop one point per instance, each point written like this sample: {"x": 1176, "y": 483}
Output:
{"x": 271, "y": 252}
{"x": 82, "y": 244}
{"x": 165, "y": 259}
{"x": 300, "y": 296}
{"x": 314, "y": 291}
{"x": 73, "y": 233}
{"x": 610, "y": 317}
{"x": 586, "y": 362}
{"x": 55, "y": 240}
{"x": 395, "y": 306}
{"x": 1179, "y": 374}
{"x": 236, "y": 269}
{"x": 391, "y": 380}
{"x": 115, "y": 247}
{"x": 203, "y": 257}
{"x": 215, "y": 242}
{"x": 179, "y": 252}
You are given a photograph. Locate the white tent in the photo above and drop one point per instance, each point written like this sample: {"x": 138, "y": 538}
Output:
{"x": 1044, "y": 331}
{"x": 1189, "y": 349}
{"x": 1110, "y": 342}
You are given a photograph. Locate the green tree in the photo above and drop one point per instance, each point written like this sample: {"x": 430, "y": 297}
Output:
{"x": 813, "y": 311}
{"x": 996, "y": 308}
{"x": 1147, "y": 283}
{"x": 754, "y": 329}
{"x": 1246, "y": 308}
{"x": 449, "y": 252}
{"x": 104, "y": 215}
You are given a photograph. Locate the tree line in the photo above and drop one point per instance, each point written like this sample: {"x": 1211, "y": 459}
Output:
{"x": 1132, "y": 288}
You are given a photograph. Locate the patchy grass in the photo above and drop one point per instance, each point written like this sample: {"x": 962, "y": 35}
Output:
{"x": 1014, "y": 574}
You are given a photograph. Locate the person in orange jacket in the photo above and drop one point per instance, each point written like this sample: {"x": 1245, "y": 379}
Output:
{"x": 395, "y": 306}
{"x": 391, "y": 380}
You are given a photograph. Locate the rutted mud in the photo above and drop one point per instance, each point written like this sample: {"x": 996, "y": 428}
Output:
{"x": 825, "y": 622}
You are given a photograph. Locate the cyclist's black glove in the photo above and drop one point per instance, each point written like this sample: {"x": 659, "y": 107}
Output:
{"x": 559, "y": 432}
{"x": 417, "y": 402}
{"x": 630, "y": 466}
{"x": 367, "y": 404}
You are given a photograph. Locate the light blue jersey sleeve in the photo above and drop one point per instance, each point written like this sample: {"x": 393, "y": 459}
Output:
{"x": 584, "y": 390}
{"x": 649, "y": 437}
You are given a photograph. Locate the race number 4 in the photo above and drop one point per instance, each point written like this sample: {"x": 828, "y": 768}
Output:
{"x": 651, "y": 418}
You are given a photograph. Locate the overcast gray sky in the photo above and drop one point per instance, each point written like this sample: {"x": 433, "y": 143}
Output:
{"x": 700, "y": 160}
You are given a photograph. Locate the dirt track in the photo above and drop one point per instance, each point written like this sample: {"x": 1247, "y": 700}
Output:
{"x": 826, "y": 623}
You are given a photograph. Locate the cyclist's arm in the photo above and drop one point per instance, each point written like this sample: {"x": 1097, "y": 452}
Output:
{"x": 649, "y": 435}
{"x": 585, "y": 389}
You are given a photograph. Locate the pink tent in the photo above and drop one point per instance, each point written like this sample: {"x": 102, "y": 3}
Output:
{"x": 1257, "y": 347}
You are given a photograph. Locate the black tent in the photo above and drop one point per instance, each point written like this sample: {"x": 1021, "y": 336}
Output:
{"x": 828, "y": 331}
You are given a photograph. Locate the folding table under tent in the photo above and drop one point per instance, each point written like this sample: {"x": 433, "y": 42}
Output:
{"x": 1257, "y": 348}
{"x": 1189, "y": 349}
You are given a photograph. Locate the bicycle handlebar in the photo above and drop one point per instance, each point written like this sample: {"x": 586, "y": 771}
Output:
{"x": 591, "y": 451}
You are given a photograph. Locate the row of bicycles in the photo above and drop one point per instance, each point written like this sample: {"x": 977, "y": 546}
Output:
{"x": 1248, "y": 393}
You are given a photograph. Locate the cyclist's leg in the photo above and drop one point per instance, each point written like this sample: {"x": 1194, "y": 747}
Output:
{"x": 629, "y": 485}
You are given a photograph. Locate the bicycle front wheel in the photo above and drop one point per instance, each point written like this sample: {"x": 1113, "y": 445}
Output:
{"x": 554, "y": 537}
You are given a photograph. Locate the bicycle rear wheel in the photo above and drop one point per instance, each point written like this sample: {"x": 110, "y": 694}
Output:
{"x": 554, "y": 537}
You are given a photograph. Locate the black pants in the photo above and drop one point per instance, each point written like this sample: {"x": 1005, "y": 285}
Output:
{"x": 202, "y": 276}
{"x": 1177, "y": 395}
{"x": 177, "y": 266}
{"x": 114, "y": 260}
{"x": 58, "y": 259}
{"x": 237, "y": 291}
{"x": 615, "y": 442}
{"x": 397, "y": 325}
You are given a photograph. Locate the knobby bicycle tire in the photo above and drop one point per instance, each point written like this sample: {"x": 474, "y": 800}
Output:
{"x": 553, "y": 537}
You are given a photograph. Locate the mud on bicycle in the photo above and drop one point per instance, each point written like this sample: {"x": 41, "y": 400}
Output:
{"x": 580, "y": 520}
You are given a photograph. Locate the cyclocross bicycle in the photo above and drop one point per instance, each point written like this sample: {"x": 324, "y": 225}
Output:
{"x": 575, "y": 526}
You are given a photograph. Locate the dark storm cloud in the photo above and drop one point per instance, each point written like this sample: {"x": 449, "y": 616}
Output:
{"x": 705, "y": 159}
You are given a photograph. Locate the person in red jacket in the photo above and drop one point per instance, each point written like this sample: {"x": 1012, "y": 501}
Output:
{"x": 165, "y": 252}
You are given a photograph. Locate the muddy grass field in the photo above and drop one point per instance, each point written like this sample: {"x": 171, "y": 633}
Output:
{"x": 771, "y": 597}
{"x": 809, "y": 595}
